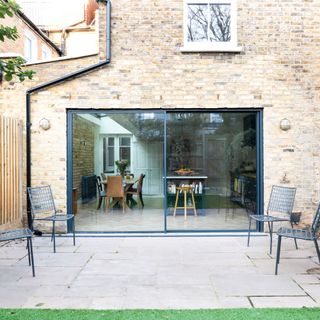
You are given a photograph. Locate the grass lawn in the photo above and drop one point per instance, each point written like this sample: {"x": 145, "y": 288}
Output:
{"x": 219, "y": 314}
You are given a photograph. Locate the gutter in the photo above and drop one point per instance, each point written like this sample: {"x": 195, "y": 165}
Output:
{"x": 67, "y": 77}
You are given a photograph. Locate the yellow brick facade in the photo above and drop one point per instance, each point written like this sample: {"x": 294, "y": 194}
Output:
{"x": 278, "y": 71}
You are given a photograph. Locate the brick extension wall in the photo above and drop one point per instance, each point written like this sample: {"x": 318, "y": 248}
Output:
{"x": 82, "y": 151}
{"x": 277, "y": 71}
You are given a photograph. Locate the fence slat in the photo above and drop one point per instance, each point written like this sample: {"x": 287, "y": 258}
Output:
{"x": 10, "y": 170}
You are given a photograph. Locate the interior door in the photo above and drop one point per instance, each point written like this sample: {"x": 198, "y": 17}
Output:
{"x": 148, "y": 159}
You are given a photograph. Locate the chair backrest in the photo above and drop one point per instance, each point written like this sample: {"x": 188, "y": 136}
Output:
{"x": 282, "y": 199}
{"x": 140, "y": 182}
{"x": 103, "y": 176}
{"x": 316, "y": 221}
{"x": 41, "y": 201}
{"x": 115, "y": 187}
{"x": 99, "y": 184}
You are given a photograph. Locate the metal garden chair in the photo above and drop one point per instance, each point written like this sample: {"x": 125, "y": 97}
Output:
{"x": 303, "y": 234}
{"x": 43, "y": 208}
{"x": 20, "y": 234}
{"x": 281, "y": 201}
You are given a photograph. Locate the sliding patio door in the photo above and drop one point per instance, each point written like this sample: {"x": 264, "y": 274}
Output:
{"x": 211, "y": 168}
{"x": 201, "y": 169}
{"x": 100, "y": 140}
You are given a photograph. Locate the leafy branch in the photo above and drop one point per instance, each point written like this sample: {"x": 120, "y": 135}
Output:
{"x": 11, "y": 67}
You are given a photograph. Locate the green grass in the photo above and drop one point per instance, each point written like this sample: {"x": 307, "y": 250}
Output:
{"x": 219, "y": 314}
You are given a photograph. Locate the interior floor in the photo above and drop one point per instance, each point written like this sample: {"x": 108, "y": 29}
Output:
{"x": 90, "y": 219}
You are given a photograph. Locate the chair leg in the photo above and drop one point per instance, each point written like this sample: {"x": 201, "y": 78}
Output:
{"x": 31, "y": 254}
{"x": 141, "y": 200}
{"x": 270, "y": 225}
{"x": 28, "y": 247}
{"x": 295, "y": 240}
{"x": 100, "y": 202}
{"x": 278, "y": 254}
{"x": 317, "y": 248}
{"x": 54, "y": 236}
{"x": 74, "y": 231}
{"x": 249, "y": 231}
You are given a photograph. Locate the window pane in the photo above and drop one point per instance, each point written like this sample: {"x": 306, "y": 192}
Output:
{"x": 125, "y": 153}
{"x": 125, "y": 141}
{"x": 110, "y": 141}
{"x": 197, "y": 22}
{"x": 111, "y": 157}
{"x": 220, "y": 18}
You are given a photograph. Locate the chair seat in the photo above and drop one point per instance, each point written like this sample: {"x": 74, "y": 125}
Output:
{"x": 267, "y": 218}
{"x": 132, "y": 191}
{"x": 15, "y": 234}
{"x": 296, "y": 233}
{"x": 57, "y": 217}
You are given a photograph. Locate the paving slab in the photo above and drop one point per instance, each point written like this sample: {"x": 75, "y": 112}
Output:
{"x": 283, "y": 302}
{"x": 158, "y": 272}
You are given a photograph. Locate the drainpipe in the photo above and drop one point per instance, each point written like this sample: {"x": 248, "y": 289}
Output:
{"x": 55, "y": 82}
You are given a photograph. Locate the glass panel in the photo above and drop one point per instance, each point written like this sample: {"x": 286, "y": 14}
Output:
{"x": 125, "y": 153}
{"x": 110, "y": 141}
{"x": 197, "y": 22}
{"x": 108, "y": 155}
{"x": 211, "y": 165}
{"x": 135, "y": 136}
{"x": 125, "y": 141}
{"x": 220, "y": 19}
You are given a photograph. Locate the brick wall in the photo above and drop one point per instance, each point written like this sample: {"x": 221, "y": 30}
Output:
{"x": 83, "y": 151}
{"x": 278, "y": 71}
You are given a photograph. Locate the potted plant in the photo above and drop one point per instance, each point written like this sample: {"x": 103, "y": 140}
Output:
{"x": 122, "y": 166}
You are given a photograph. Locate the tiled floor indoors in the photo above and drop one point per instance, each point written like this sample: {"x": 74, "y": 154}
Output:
{"x": 158, "y": 272}
{"x": 89, "y": 218}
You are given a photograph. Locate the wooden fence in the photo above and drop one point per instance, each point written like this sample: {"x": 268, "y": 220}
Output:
{"x": 10, "y": 172}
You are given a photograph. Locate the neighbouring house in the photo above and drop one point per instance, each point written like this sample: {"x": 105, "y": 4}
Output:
{"x": 33, "y": 44}
{"x": 219, "y": 97}
{"x": 74, "y": 32}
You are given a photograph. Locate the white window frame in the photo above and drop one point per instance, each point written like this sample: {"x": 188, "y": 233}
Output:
{"x": 231, "y": 46}
{"x": 45, "y": 52}
{"x": 29, "y": 36}
{"x": 116, "y": 150}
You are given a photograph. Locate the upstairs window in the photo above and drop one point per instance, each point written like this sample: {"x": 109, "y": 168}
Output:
{"x": 210, "y": 25}
{"x": 30, "y": 46}
{"x": 46, "y": 53}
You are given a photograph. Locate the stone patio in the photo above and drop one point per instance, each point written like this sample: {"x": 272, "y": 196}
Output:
{"x": 160, "y": 272}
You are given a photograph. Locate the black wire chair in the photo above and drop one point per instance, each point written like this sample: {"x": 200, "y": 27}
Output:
{"x": 281, "y": 201}
{"x": 302, "y": 234}
{"x": 20, "y": 234}
{"x": 43, "y": 208}
{"x": 101, "y": 193}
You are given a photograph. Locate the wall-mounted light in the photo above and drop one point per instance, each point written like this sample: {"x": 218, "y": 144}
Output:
{"x": 44, "y": 124}
{"x": 285, "y": 124}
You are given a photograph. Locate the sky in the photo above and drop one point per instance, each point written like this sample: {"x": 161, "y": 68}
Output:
{"x": 54, "y": 13}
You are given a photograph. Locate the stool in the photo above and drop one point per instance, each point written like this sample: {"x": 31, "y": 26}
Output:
{"x": 185, "y": 190}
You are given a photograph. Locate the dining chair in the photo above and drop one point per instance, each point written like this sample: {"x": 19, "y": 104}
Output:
{"x": 103, "y": 176}
{"x": 115, "y": 190}
{"x": 281, "y": 201}
{"x": 137, "y": 191}
{"x": 43, "y": 208}
{"x": 101, "y": 192}
{"x": 25, "y": 233}
{"x": 310, "y": 234}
